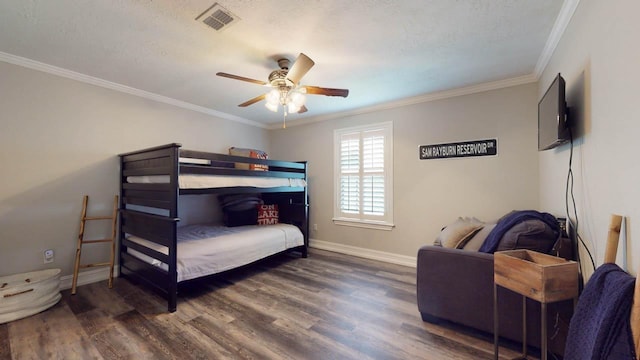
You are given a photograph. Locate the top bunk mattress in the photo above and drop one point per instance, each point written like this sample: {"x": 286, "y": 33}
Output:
{"x": 198, "y": 181}
{"x": 205, "y": 181}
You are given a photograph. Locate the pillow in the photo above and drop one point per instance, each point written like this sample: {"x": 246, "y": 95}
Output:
{"x": 474, "y": 243}
{"x": 251, "y": 153}
{"x": 267, "y": 214}
{"x": 532, "y": 234}
{"x": 240, "y": 218}
{"x": 461, "y": 229}
{"x": 474, "y": 220}
{"x": 239, "y": 202}
{"x": 468, "y": 237}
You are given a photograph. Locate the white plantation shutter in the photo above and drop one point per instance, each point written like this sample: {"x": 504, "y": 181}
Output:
{"x": 363, "y": 176}
{"x": 373, "y": 195}
{"x": 349, "y": 173}
{"x": 350, "y": 194}
{"x": 373, "y": 173}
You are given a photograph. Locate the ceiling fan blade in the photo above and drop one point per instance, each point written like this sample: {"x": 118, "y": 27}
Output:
{"x": 316, "y": 90}
{"x": 236, "y": 77}
{"x": 253, "y": 101}
{"x": 299, "y": 68}
{"x": 303, "y": 109}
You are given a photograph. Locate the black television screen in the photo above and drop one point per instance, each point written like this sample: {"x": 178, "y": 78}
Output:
{"x": 553, "y": 127}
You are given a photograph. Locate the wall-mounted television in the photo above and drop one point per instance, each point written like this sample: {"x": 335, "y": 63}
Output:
{"x": 553, "y": 125}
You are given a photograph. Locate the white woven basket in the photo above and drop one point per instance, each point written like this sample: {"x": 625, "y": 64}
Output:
{"x": 25, "y": 294}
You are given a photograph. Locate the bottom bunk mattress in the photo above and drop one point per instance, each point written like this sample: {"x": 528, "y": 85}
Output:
{"x": 210, "y": 249}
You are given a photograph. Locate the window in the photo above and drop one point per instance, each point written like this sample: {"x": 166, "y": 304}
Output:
{"x": 363, "y": 161}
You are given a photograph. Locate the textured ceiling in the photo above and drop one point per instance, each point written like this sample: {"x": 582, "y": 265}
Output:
{"x": 383, "y": 51}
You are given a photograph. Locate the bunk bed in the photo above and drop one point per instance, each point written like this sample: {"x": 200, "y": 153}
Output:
{"x": 151, "y": 182}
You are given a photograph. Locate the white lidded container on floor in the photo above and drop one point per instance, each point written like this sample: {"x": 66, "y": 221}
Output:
{"x": 25, "y": 294}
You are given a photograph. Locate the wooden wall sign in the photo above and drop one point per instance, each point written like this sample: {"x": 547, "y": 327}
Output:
{"x": 459, "y": 149}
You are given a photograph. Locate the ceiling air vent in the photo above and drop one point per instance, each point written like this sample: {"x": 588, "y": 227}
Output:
{"x": 218, "y": 17}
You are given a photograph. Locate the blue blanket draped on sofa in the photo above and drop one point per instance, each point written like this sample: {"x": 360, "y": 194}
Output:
{"x": 493, "y": 239}
{"x": 600, "y": 327}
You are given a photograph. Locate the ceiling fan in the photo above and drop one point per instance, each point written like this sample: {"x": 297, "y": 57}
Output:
{"x": 286, "y": 89}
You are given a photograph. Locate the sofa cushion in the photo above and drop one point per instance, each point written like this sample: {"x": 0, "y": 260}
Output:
{"x": 459, "y": 231}
{"x": 530, "y": 234}
{"x": 474, "y": 243}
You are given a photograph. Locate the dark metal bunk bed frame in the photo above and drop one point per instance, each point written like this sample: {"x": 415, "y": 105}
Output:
{"x": 163, "y": 198}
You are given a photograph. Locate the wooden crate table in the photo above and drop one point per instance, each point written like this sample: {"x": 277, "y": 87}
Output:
{"x": 537, "y": 276}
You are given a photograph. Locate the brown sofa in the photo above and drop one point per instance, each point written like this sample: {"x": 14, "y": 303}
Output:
{"x": 456, "y": 285}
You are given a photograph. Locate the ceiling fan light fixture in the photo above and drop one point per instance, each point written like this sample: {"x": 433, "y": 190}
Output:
{"x": 291, "y": 100}
{"x": 297, "y": 98}
{"x": 293, "y": 108}
{"x": 271, "y": 107}
{"x": 273, "y": 97}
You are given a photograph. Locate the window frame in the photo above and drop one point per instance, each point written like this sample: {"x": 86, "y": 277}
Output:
{"x": 384, "y": 222}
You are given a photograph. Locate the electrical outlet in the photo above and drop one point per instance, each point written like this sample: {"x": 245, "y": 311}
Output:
{"x": 315, "y": 227}
{"x": 48, "y": 256}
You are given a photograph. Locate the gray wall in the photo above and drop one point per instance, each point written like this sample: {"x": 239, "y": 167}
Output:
{"x": 59, "y": 139}
{"x": 429, "y": 194}
{"x": 597, "y": 58}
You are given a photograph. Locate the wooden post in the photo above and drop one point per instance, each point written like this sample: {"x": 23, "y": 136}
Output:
{"x": 114, "y": 221}
{"x": 612, "y": 240}
{"x": 76, "y": 266}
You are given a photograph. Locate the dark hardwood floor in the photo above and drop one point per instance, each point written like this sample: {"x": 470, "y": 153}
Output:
{"x": 328, "y": 306}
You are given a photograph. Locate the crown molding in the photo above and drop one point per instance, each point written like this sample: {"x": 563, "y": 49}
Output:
{"x": 562, "y": 21}
{"x": 54, "y": 70}
{"x": 494, "y": 85}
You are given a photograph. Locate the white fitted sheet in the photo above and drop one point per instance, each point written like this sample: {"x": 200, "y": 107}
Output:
{"x": 198, "y": 181}
{"x": 210, "y": 249}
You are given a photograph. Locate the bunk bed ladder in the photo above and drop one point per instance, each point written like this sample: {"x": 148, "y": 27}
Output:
{"x": 81, "y": 241}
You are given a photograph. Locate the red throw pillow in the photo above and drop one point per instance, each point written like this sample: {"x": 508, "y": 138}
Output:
{"x": 267, "y": 214}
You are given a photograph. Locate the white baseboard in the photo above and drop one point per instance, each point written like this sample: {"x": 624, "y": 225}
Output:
{"x": 87, "y": 277}
{"x": 364, "y": 253}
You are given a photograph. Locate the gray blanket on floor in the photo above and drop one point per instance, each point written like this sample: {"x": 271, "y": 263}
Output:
{"x": 600, "y": 327}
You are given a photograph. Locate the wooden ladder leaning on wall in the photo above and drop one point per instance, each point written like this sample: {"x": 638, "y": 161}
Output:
{"x": 83, "y": 219}
{"x": 611, "y": 250}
